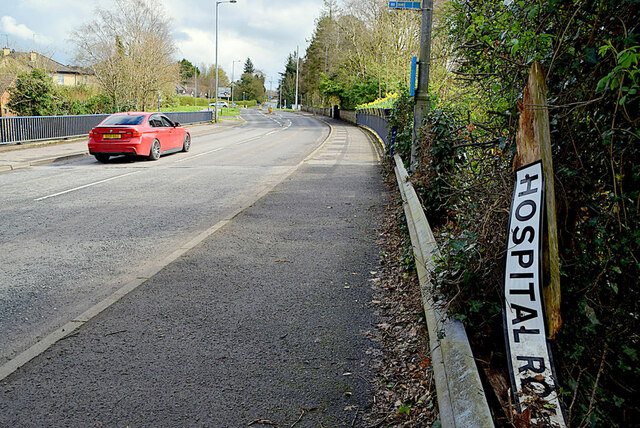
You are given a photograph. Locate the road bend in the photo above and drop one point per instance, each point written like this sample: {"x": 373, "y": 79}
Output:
{"x": 73, "y": 232}
{"x": 267, "y": 320}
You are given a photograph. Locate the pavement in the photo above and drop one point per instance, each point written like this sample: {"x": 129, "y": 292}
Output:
{"x": 267, "y": 321}
{"x": 15, "y": 156}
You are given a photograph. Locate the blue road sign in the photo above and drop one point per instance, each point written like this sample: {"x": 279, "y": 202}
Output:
{"x": 414, "y": 5}
{"x": 412, "y": 88}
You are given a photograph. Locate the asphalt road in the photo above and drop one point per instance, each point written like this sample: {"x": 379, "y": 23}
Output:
{"x": 267, "y": 320}
{"x": 74, "y": 232}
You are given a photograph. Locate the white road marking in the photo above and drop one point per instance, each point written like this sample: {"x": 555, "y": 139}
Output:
{"x": 86, "y": 185}
{"x": 200, "y": 154}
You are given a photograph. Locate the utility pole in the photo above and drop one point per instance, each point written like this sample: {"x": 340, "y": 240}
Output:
{"x": 422, "y": 94}
{"x": 297, "y": 67}
{"x": 195, "y": 95}
{"x": 233, "y": 69}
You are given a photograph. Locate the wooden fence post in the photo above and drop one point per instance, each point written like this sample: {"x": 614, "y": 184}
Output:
{"x": 533, "y": 143}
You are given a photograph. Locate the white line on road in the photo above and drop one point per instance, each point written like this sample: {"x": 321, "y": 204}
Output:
{"x": 200, "y": 154}
{"x": 86, "y": 185}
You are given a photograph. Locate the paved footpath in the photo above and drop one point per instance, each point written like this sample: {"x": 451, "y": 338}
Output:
{"x": 265, "y": 321}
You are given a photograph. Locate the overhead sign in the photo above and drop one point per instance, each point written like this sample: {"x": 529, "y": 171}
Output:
{"x": 530, "y": 364}
{"x": 224, "y": 92}
{"x": 405, "y": 5}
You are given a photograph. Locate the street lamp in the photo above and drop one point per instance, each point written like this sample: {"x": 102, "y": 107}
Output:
{"x": 233, "y": 66}
{"x": 195, "y": 97}
{"x": 216, "y": 102}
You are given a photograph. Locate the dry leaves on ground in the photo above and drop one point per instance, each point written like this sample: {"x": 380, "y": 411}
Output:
{"x": 404, "y": 391}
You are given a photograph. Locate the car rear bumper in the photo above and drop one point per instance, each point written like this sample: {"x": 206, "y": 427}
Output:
{"x": 120, "y": 148}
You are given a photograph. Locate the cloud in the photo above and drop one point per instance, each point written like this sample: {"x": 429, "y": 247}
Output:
{"x": 11, "y": 27}
{"x": 266, "y": 31}
{"x": 181, "y": 36}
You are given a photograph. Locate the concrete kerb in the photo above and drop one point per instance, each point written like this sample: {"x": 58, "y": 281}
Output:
{"x": 461, "y": 398}
{"x": 380, "y": 146}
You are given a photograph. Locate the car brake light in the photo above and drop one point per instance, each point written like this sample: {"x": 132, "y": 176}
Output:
{"x": 132, "y": 134}
{"x": 93, "y": 134}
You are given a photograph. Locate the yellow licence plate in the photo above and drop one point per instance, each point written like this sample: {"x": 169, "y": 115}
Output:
{"x": 111, "y": 136}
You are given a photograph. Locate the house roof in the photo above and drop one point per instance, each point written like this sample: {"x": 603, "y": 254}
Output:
{"x": 49, "y": 64}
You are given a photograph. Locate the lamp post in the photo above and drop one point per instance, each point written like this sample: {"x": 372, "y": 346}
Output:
{"x": 297, "y": 66}
{"x": 195, "y": 96}
{"x": 233, "y": 66}
{"x": 216, "y": 102}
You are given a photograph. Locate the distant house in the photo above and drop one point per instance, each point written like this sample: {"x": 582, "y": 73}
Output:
{"x": 188, "y": 91}
{"x": 13, "y": 63}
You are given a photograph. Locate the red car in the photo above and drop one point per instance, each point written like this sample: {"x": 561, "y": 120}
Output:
{"x": 137, "y": 134}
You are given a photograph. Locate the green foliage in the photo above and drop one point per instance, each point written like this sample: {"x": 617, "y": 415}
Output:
{"x": 590, "y": 52}
{"x": 251, "y": 84}
{"x": 625, "y": 76}
{"x": 248, "y": 67}
{"x": 350, "y": 96}
{"x": 186, "y": 101}
{"x": 34, "y": 95}
{"x": 401, "y": 122}
{"x": 287, "y": 87}
{"x": 187, "y": 71}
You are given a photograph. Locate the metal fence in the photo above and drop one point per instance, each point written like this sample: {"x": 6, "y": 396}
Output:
{"x": 377, "y": 120}
{"x": 190, "y": 117}
{"x": 38, "y": 128}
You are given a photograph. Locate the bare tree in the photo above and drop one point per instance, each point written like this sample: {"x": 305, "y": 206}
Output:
{"x": 130, "y": 48}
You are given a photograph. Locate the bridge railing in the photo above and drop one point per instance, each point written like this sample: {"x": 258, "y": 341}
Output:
{"x": 39, "y": 128}
{"x": 377, "y": 119}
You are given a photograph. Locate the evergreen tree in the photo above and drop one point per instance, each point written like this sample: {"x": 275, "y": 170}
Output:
{"x": 248, "y": 67}
{"x": 288, "y": 85}
{"x": 34, "y": 95}
{"x": 187, "y": 70}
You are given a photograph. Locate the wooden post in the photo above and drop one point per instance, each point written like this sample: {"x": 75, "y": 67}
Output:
{"x": 533, "y": 143}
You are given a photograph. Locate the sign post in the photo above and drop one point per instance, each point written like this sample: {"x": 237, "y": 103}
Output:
{"x": 534, "y": 142}
{"x": 422, "y": 94}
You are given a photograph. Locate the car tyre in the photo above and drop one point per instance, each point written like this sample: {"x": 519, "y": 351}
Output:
{"x": 186, "y": 145}
{"x": 154, "y": 153}
{"x": 102, "y": 157}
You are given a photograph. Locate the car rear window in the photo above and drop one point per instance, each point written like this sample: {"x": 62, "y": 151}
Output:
{"x": 123, "y": 119}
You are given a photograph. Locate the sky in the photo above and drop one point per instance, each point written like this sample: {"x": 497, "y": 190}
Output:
{"x": 266, "y": 31}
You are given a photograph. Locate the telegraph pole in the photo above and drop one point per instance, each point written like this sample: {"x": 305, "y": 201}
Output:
{"x": 195, "y": 95}
{"x": 422, "y": 94}
{"x": 297, "y": 67}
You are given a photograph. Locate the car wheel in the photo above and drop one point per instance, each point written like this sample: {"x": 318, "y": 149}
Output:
{"x": 154, "y": 153}
{"x": 102, "y": 157}
{"x": 186, "y": 145}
